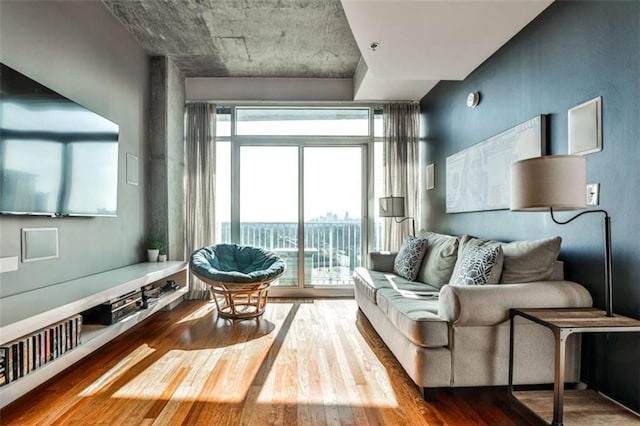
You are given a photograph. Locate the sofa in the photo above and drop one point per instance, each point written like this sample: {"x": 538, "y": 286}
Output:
{"x": 453, "y": 333}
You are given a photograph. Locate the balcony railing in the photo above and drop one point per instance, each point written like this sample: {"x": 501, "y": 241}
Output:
{"x": 331, "y": 249}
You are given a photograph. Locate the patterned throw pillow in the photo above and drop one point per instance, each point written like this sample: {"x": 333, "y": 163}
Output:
{"x": 409, "y": 258}
{"x": 479, "y": 265}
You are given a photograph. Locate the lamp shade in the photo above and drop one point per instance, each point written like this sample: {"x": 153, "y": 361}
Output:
{"x": 391, "y": 207}
{"x": 554, "y": 181}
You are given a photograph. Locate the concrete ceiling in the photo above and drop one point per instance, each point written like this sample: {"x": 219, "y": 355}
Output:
{"x": 244, "y": 38}
{"x": 421, "y": 41}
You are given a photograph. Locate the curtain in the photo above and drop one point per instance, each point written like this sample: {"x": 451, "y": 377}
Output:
{"x": 200, "y": 155}
{"x": 401, "y": 123}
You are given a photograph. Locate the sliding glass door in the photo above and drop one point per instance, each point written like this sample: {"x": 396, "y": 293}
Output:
{"x": 332, "y": 214}
{"x": 294, "y": 181}
{"x": 269, "y": 203}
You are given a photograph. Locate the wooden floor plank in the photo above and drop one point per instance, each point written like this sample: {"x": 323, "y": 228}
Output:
{"x": 306, "y": 362}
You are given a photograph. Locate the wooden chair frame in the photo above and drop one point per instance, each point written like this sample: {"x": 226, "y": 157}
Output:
{"x": 239, "y": 300}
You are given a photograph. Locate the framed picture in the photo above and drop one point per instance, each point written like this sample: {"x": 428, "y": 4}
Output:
{"x": 429, "y": 177}
{"x": 479, "y": 177}
{"x": 132, "y": 169}
{"x": 585, "y": 127}
{"x": 39, "y": 244}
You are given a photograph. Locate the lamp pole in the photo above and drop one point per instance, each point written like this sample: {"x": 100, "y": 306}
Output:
{"x": 608, "y": 264}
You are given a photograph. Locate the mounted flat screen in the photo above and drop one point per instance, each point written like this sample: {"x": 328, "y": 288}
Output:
{"x": 57, "y": 158}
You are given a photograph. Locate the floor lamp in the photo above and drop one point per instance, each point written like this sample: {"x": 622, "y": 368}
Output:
{"x": 394, "y": 207}
{"x": 558, "y": 182}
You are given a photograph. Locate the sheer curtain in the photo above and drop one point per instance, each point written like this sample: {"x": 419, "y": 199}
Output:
{"x": 401, "y": 123}
{"x": 200, "y": 155}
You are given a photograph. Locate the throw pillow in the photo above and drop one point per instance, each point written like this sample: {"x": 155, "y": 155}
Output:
{"x": 527, "y": 261}
{"x": 479, "y": 265}
{"x": 440, "y": 259}
{"x": 466, "y": 243}
{"x": 409, "y": 257}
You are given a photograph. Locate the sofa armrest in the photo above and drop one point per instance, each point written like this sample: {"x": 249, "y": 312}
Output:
{"x": 382, "y": 261}
{"x": 490, "y": 304}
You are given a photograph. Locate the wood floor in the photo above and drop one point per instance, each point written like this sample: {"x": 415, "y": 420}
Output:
{"x": 306, "y": 362}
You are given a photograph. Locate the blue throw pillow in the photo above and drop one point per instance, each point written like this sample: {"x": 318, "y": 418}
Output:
{"x": 409, "y": 258}
{"x": 479, "y": 265}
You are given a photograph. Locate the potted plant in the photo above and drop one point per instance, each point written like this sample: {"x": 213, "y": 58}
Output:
{"x": 154, "y": 247}
{"x": 162, "y": 256}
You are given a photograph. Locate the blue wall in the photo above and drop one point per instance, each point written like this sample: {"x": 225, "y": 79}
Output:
{"x": 573, "y": 52}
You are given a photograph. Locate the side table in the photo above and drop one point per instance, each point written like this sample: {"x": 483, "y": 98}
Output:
{"x": 563, "y": 322}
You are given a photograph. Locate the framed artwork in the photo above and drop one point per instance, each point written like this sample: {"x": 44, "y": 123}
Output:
{"x": 478, "y": 177}
{"x": 39, "y": 244}
{"x": 429, "y": 177}
{"x": 585, "y": 127}
{"x": 132, "y": 169}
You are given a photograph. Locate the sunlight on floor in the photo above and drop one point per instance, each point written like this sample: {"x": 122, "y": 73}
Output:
{"x": 297, "y": 354}
{"x": 204, "y": 311}
{"x": 108, "y": 378}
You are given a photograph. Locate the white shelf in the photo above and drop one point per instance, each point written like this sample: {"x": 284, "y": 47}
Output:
{"x": 93, "y": 337}
{"x": 26, "y": 312}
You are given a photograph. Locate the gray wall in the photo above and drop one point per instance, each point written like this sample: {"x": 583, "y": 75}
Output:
{"x": 80, "y": 50}
{"x": 573, "y": 52}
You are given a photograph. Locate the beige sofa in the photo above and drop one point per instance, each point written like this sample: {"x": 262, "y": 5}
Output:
{"x": 458, "y": 336}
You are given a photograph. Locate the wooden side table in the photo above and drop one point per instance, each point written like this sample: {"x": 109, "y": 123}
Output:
{"x": 563, "y": 323}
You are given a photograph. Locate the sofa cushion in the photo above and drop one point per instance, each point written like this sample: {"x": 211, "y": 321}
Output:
{"x": 479, "y": 266}
{"x": 528, "y": 261}
{"x": 440, "y": 259}
{"x": 414, "y": 316}
{"x": 409, "y": 257}
{"x": 368, "y": 282}
{"x": 524, "y": 261}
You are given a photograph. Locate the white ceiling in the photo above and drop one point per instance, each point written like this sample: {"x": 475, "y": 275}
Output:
{"x": 424, "y": 41}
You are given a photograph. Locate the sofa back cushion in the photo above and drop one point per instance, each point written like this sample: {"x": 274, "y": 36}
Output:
{"x": 527, "y": 261}
{"x": 440, "y": 259}
{"x": 524, "y": 261}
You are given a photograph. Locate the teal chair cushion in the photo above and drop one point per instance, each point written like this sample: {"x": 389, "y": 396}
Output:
{"x": 232, "y": 263}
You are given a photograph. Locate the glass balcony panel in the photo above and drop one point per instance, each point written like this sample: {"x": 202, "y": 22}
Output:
{"x": 333, "y": 214}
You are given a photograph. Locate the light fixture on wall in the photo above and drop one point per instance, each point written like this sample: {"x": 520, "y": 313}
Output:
{"x": 394, "y": 207}
{"x": 558, "y": 182}
{"x": 473, "y": 99}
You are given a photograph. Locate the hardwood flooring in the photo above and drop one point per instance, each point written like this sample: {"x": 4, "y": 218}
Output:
{"x": 305, "y": 362}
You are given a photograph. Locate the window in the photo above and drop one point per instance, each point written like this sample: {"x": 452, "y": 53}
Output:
{"x": 302, "y": 121}
{"x": 294, "y": 180}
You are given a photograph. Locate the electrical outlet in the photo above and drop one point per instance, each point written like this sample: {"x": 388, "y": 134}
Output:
{"x": 593, "y": 194}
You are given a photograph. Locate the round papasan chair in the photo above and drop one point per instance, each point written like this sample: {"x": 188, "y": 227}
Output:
{"x": 238, "y": 277}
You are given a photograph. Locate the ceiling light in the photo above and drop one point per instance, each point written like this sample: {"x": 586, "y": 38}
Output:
{"x": 373, "y": 46}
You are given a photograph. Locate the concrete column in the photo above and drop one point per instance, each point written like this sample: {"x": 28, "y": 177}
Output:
{"x": 166, "y": 156}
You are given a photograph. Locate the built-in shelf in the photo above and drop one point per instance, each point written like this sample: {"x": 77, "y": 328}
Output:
{"x": 27, "y": 312}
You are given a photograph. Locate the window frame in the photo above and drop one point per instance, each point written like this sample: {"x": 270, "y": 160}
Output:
{"x": 301, "y": 141}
